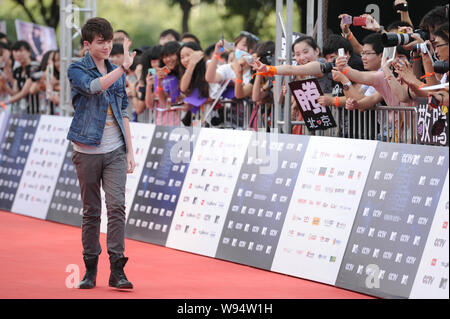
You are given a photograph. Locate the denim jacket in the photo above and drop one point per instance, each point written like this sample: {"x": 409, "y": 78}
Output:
{"x": 91, "y": 102}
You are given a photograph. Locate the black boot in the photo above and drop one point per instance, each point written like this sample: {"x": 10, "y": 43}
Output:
{"x": 117, "y": 279}
{"x": 89, "y": 279}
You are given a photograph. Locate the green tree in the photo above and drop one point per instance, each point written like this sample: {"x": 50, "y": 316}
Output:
{"x": 254, "y": 12}
{"x": 186, "y": 8}
{"x": 48, "y": 11}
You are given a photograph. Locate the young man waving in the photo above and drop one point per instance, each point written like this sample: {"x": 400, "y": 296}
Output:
{"x": 103, "y": 154}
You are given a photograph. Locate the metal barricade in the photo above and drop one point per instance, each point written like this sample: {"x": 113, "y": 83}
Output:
{"x": 34, "y": 104}
{"x": 383, "y": 123}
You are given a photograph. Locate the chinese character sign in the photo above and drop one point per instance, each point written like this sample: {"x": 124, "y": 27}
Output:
{"x": 432, "y": 125}
{"x": 316, "y": 116}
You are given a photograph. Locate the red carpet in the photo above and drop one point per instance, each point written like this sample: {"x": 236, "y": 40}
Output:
{"x": 34, "y": 255}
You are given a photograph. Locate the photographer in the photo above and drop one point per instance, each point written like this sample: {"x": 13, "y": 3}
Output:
{"x": 150, "y": 62}
{"x": 244, "y": 45}
{"x": 331, "y": 49}
{"x": 433, "y": 19}
{"x": 385, "y": 82}
{"x": 262, "y": 86}
{"x": 371, "y": 56}
{"x": 441, "y": 49}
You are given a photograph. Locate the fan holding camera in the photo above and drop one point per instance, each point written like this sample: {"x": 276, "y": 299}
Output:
{"x": 434, "y": 70}
{"x": 366, "y": 21}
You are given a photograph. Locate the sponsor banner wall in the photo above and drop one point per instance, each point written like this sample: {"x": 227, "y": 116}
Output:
{"x": 211, "y": 178}
{"x": 14, "y": 151}
{"x": 42, "y": 168}
{"x": 394, "y": 219}
{"x": 323, "y": 206}
{"x": 261, "y": 199}
{"x": 160, "y": 184}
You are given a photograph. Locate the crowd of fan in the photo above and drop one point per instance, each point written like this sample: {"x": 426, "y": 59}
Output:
{"x": 178, "y": 75}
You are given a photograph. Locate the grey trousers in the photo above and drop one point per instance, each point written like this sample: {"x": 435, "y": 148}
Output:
{"x": 109, "y": 171}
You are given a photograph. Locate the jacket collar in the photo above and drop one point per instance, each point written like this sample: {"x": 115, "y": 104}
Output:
{"x": 89, "y": 61}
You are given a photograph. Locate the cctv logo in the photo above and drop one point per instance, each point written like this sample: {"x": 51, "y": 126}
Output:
{"x": 372, "y": 279}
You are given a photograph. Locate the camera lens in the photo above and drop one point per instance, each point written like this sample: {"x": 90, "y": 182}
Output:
{"x": 425, "y": 35}
{"x": 441, "y": 67}
{"x": 327, "y": 67}
{"x": 396, "y": 39}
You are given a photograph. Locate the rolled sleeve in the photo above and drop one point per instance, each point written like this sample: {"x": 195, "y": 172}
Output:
{"x": 95, "y": 86}
{"x": 80, "y": 78}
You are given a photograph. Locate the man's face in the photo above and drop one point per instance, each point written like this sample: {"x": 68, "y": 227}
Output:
{"x": 100, "y": 48}
{"x": 119, "y": 37}
{"x": 370, "y": 59}
{"x": 330, "y": 57}
{"x": 167, "y": 38}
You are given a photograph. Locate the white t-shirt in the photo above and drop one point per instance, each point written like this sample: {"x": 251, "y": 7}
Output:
{"x": 227, "y": 73}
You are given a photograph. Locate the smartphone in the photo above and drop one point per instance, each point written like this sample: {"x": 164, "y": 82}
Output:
{"x": 341, "y": 52}
{"x": 152, "y": 71}
{"x": 388, "y": 54}
{"x": 359, "y": 21}
{"x": 348, "y": 20}
{"x": 228, "y": 46}
{"x": 249, "y": 59}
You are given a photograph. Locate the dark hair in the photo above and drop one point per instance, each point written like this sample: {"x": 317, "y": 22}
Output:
{"x": 124, "y": 32}
{"x": 398, "y": 24}
{"x": 44, "y": 61}
{"x": 334, "y": 42}
{"x": 97, "y": 27}
{"x": 4, "y": 36}
{"x": 265, "y": 50}
{"x": 5, "y": 46}
{"x": 375, "y": 40}
{"x": 209, "y": 50}
{"x": 190, "y": 35}
{"x": 21, "y": 44}
{"x": 155, "y": 52}
{"x": 167, "y": 49}
{"x": 434, "y": 18}
{"x": 175, "y": 34}
{"x": 251, "y": 40}
{"x": 55, "y": 70}
{"x": 137, "y": 59}
{"x": 305, "y": 38}
{"x": 442, "y": 32}
{"x": 117, "y": 49}
{"x": 198, "y": 77}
